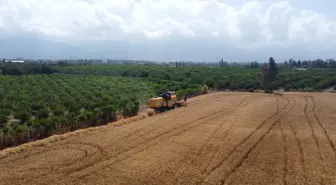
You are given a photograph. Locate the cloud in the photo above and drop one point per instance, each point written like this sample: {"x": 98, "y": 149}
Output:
{"x": 250, "y": 27}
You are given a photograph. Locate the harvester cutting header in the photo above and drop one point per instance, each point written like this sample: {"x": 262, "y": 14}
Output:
{"x": 164, "y": 101}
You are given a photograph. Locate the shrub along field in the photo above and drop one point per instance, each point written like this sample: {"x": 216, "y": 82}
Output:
{"x": 36, "y": 106}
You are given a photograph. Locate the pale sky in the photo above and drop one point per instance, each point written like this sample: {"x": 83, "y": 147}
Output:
{"x": 200, "y": 30}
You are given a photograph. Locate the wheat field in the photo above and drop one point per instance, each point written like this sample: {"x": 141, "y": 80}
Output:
{"x": 218, "y": 138}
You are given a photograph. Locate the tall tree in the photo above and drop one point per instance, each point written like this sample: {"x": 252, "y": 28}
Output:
{"x": 269, "y": 73}
{"x": 273, "y": 69}
{"x": 310, "y": 64}
{"x": 222, "y": 63}
{"x": 299, "y": 63}
{"x": 254, "y": 64}
{"x": 331, "y": 63}
{"x": 290, "y": 62}
{"x": 304, "y": 63}
{"x": 264, "y": 74}
{"x": 319, "y": 63}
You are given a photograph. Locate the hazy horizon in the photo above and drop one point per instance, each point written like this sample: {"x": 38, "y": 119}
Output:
{"x": 191, "y": 30}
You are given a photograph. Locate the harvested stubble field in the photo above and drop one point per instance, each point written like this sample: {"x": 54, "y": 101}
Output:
{"x": 219, "y": 138}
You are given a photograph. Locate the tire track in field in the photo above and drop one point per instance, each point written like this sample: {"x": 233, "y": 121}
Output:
{"x": 225, "y": 136}
{"x": 60, "y": 146}
{"x": 315, "y": 139}
{"x": 182, "y": 113}
{"x": 138, "y": 151}
{"x": 185, "y": 127}
{"x": 231, "y": 126}
{"x": 285, "y": 150}
{"x": 121, "y": 138}
{"x": 322, "y": 126}
{"x": 215, "y": 97}
{"x": 88, "y": 156}
{"x": 240, "y": 105}
{"x": 99, "y": 148}
{"x": 203, "y": 119}
{"x": 231, "y": 152}
{"x": 330, "y": 112}
{"x": 246, "y": 155}
{"x": 216, "y": 114}
{"x": 65, "y": 167}
{"x": 329, "y": 115}
{"x": 239, "y": 144}
{"x": 302, "y": 161}
{"x": 101, "y": 156}
{"x": 57, "y": 168}
{"x": 67, "y": 145}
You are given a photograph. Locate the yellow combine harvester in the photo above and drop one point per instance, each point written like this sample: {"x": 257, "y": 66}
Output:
{"x": 165, "y": 101}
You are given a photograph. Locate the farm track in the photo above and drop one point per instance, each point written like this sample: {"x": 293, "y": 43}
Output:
{"x": 315, "y": 138}
{"x": 322, "y": 126}
{"x": 300, "y": 150}
{"x": 246, "y": 155}
{"x": 204, "y": 146}
{"x": 219, "y": 138}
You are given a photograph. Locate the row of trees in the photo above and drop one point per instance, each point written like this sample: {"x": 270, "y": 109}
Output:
{"x": 318, "y": 63}
{"x": 291, "y": 63}
{"x": 226, "y": 77}
{"x": 306, "y": 80}
{"x": 14, "y": 68}
{"x": 39, "y": 105}
{"x": 188, "y": 74}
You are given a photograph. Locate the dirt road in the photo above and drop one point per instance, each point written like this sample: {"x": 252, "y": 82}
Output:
{"x": 219, "y": 138}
